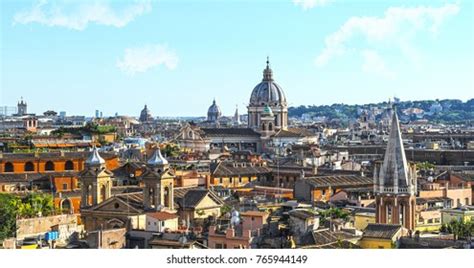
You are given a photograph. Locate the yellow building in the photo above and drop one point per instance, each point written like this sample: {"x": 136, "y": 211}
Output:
{"x": 362, "y": 219}
{"x": 381, "y": 236}
{"x": 234, "y": 174}
{"x": 465, "y": 214}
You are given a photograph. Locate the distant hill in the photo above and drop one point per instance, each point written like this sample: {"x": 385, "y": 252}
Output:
{"x": 441, "y": 111}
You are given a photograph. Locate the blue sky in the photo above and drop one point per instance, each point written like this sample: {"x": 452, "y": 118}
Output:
{"x": 176, "y": 56}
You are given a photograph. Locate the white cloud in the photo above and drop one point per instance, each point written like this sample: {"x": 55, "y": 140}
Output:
{"x": 373, "y": 63}
{"x": 395, "y": 32}
{"x": 309, "y": 4}
{"x": 77, "y": 15}
{"x": 141, "y": 59}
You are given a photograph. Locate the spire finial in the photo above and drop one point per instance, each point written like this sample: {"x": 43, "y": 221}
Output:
{"x": 268, "y": 62}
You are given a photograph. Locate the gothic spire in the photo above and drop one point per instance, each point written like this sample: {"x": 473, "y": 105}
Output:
{"x": 395, "y": 172}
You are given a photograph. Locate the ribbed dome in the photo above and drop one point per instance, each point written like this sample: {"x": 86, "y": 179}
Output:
{"x": 214, "y": 112}
{"x": 267, "y": 91}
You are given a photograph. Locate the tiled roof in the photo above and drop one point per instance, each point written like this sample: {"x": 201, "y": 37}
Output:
{"x": 323, "y": 238}
{"x": 421, "y": 200}
{"x": 302, "y": 214}
{"x": 162, "y": 216}
{"x": 254, "y": 213}
{"x": 192, "y": 196}
{"x": 235, "y": 169}
{"x": 50, "y": 156}
{"x": 27, "y": 177}
{"x": 384, "y": 231}
{"x": 294, "y": 132}
{"x": 339, "y": 181}
{"x": 218, "y": 132}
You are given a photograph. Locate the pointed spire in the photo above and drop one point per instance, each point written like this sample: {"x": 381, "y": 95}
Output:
{"x": 94, "y": 158}
{"x": 395, "y": 171}
{"x": 157, "y": 159}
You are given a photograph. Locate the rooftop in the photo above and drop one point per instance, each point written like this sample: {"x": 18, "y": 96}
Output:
{"x": 383, "y": 231}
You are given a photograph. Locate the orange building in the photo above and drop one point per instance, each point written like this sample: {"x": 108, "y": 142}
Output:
{"x": 52, "y": 171}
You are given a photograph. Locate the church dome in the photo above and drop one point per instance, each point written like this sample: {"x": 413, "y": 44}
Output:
{"x": 145, "y": 115}
{"x": 267, "y": 91}
{"x": 214, "y": 112}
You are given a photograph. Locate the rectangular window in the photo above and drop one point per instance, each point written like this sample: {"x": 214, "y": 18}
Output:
{"x": 219, "y": 246}
{"x": 64, "y": 186}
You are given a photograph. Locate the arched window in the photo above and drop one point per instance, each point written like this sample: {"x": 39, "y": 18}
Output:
{"x": 264, "y": 127}
{"x": 151, "y": 193}
{"x": 49, "y": 166}
{"x": 167, "y": 196}
{"x": 66, "y": 206}
{"x": 103, "y": 193}
{"x": 69, "y": 165}
{"x": 29, "y": 166}
{"x": 270, "y": 127}
{"x": 8, "y": 167}
{"x": 89, "y": 195}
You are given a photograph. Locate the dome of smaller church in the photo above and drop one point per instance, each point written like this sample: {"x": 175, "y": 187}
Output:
{"x": 214, "y": 112}
{"x": 145, "y": 115}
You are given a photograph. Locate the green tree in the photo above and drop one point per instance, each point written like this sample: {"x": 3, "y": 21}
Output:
{"x": 8, "y": 212}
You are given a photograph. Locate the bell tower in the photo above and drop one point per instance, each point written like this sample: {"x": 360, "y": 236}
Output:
{"x": 267, "y": 121}
{"x": 96, "y": 180}
{"x": 158, "y": 192}
{"x": 395, "y": 183}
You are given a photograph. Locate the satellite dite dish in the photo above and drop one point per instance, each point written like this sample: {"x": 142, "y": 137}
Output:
{"x": 235, "y": 219}
{"x": 182, "y": 240}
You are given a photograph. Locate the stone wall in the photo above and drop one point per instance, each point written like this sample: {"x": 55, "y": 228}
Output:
{"x": 41, "y": 225}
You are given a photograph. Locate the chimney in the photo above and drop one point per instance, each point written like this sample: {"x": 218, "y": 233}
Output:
{"x": 230, "y": 233}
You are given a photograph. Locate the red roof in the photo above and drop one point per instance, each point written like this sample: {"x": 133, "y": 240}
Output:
{"x": 162, "y": 216}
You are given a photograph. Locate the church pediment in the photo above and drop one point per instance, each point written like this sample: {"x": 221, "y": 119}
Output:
{"x": 115, "y": 204}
